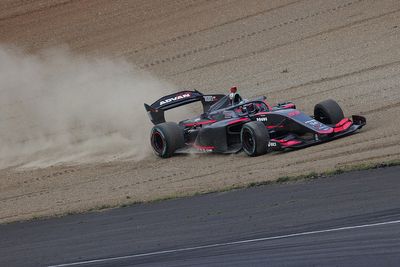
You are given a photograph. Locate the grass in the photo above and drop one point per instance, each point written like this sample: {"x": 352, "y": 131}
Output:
{"x": 329, "y": 173}
{"x": 288, "y": 179}
{"x": 280, "y": 180}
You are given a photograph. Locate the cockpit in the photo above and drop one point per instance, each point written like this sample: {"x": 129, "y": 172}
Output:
{"x": 224, "y": 110}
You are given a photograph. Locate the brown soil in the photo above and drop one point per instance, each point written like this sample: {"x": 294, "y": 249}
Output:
{"x": 348, "y": 50}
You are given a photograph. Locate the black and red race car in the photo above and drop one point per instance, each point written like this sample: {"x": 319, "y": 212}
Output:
{"x": 253, "y": 125}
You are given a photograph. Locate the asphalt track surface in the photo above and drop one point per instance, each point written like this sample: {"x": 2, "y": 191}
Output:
{"x": 350, "y": 219}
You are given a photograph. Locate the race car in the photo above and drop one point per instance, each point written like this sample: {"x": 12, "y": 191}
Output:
{"x": 230, "y": 124}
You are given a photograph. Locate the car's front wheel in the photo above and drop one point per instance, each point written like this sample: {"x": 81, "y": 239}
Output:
{"x": 254, "y": 137}
{"x": 328, "y": 112}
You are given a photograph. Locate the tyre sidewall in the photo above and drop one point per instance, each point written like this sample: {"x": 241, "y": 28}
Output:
{"x": 251, "y": 131}
{"x": 330, "y": 109}
{"x": 172, "y": 136}
{"x": 163, "y": 152}
{"x": 260, "y": 138}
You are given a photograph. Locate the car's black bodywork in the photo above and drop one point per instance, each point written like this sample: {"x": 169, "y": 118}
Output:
{"x": 219, "y": 128}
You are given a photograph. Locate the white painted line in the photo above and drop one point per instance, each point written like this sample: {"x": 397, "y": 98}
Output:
{"x": 224, "y": 244}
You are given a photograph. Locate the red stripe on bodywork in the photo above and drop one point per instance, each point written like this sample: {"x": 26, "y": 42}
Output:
{"x": 325, "y": 131}
{"x": 294, "y": 113}
{"x": 266, "y": 103}
{"x": 238, "y": 120}
{"x": 204, "y": 147}
{"x": 342, "y": 122}
{"x": 287, "y": 143}
{"x": 199, "y": 123}
{"x": 342, "y": 125}
{"x": 288, "y": 106}
{"x": 291, "y": 143}
{"x": 274, "y": 126}
{"x": 263, "y": 113}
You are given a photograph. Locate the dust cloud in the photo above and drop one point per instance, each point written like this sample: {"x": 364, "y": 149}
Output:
{"x": 59, "y": 107}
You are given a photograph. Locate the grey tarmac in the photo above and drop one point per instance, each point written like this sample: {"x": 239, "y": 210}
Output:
{"x": 352, "y": 219}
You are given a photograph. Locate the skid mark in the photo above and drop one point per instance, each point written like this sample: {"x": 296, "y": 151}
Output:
{"x": 268, "y": 49}
{"x": 242, "y": 37}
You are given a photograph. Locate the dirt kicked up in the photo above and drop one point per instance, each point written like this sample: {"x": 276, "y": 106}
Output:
{"x": 304, "y": 51}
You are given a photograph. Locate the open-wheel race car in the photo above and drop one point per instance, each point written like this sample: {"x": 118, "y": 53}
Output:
{"x": 229, "y": 124}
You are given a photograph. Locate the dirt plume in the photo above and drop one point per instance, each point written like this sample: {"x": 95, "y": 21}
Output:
{"x": 56, "y": 106}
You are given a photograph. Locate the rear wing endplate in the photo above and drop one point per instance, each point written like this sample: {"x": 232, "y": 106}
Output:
{"x": 157, "y": 109}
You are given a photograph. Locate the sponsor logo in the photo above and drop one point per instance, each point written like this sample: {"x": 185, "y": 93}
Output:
{"x": 228, "y": 114}
{"x": 317, "y": 125}
{"x": 293, "y": 113}
{"x": 205, "y": 150}
{"x": 312, "y": 122}
{"x": 262, "y": 119}
{"x": 272, "y": 144}
{"x": 179, "y": 97}
{"x": 209, "y": 98}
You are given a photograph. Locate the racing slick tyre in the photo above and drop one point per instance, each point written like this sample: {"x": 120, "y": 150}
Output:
{"x": 166, "y": 138}
{"x": 328, "y": 112}
{"x": 254, "y": 137}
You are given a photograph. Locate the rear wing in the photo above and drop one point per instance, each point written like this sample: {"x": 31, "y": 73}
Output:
{"x": 157, "y": 109}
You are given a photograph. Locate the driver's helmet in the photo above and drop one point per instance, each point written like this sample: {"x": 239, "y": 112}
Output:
{"x": 234, "y": 96}
{"x": 251, "y": 108}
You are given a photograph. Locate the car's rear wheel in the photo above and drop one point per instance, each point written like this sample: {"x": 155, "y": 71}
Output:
{"x": 166, "y": 138}
{"x": 254, "y": 137}
{"x": 328, "y": 112}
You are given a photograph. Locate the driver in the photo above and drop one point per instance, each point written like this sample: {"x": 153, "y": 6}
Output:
{"x": 234, "y": 96}
{"x": 251, "y": 108}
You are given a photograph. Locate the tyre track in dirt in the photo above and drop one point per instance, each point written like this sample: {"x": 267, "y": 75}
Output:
{"x": 145, "y": 23}
{"x": 343, "y": 87}
{"x": 335, "y": 152}
{"x": 348, "y": 49}
{"x": 190, "y": 34}
{"x": 171, "y": 178}
{"x": 382, "y": 108}
{"x": 269, "y": 49}
{"x": 345, "y": 75}
{"x": 246, "y": 36}
{"x": 37, "y": 10}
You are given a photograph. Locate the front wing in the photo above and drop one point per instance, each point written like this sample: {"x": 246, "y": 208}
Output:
{"x": 343, "y": 128}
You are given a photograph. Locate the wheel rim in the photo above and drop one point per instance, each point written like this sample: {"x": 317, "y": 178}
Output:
{"x": 157, "y": 142}
{"x": 321, "y": 116}
{"x": 247, "y": 141}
